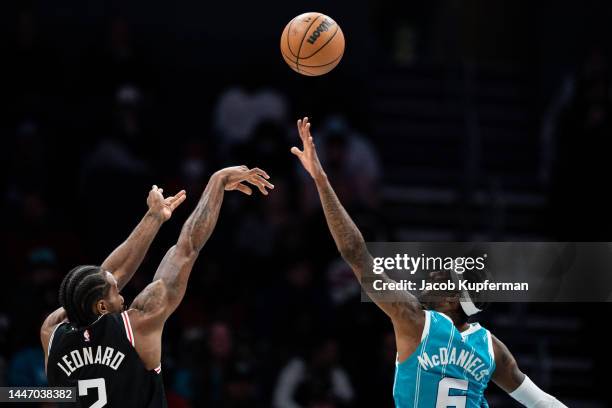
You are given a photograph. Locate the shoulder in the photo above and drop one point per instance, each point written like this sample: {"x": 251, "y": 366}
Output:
{"x": 50, "y": 325}
{"x": 439, "y": 316}
{"x": 439, "y": 321}
{"x": 47, "y": 334}
{"x": 501, "y": 352}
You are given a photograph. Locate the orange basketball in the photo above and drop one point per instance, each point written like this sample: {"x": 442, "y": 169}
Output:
{"x": 312, "y": 44}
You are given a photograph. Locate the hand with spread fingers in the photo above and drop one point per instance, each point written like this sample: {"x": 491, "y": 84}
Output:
{"x": 164, "y": 206}
{"x": 236, "y": 176}
{"x": 308, "y": 156}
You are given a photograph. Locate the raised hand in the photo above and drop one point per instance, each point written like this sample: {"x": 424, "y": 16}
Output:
{"x": 163, "y": 207}
{"x": 308, "y": 156}
{"x": 235, "y": 176}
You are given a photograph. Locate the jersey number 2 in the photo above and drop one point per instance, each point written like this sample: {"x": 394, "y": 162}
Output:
{"x": 98, "y": 383}
{"x": 444, "y": 399}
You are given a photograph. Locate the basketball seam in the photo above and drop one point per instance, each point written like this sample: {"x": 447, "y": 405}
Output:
{"x": 314, "y": 66}
{"x": 297, "y": 62}
{"x": 303, "y": 71}
{"x": 286, "y": 57}
{"x": 288, "y": 43}
{"x": 327, "y": 42}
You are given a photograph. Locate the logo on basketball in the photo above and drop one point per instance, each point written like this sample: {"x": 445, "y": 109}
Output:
{"x": 323, "y": 27}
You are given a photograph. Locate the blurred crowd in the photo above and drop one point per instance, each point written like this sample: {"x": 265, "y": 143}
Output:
{"x": 272, "y": 316}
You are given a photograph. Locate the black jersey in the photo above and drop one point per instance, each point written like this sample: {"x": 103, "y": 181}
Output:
{"x": 101, "y": 362}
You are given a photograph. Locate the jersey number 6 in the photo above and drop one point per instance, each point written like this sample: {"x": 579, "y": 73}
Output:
{"x": 446, "y": 400}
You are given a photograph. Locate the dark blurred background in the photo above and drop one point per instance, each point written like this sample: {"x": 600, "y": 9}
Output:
{"x": 446, "y": 120}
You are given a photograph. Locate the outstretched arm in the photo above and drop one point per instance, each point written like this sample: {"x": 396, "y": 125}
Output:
{"x": 509, "y": 378}
{"x": 406, "y": 312}
{"x": 164, "y": 295}
{"x": 127, "y": 257}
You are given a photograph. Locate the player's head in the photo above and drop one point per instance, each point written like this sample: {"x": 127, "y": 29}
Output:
{"x": 455, "y": 303}
{"x": 88, "y": 292}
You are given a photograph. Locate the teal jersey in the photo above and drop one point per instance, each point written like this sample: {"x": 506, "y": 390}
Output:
{"x": 448, "y": 369}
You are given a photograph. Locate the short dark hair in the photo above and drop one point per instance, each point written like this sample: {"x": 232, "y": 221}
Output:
{"x": 80, "y": 289}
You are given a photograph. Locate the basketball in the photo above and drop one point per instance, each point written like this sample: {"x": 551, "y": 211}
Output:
{"x": 312, "y": 44}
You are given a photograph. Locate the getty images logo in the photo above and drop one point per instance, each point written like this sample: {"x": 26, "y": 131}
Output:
{"x": 324, "y": 26}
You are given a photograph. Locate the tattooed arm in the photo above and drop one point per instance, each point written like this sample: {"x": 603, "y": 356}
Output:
{"x": 174, "y": 270}
{"x": 158, "y": 300}
{"x": 405, "y": 311}
{"x": 128, "y": 256}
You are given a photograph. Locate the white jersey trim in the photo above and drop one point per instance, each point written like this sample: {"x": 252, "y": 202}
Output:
{"x": 426, "y": 325}
{"x": 51, "y": 338}
{"x": 128, "y": 328}
{"x": 474, "y": 327}
{"x": 490, "y": 341}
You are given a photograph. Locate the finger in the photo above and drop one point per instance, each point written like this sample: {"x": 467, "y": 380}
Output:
{"x": 161, "y": 190}
{"x": 177, "y": 201}
{"x": 305, "y": 126}
{"x": 257, "y": 170}
{"x": 259, "y": 185}
{"x": 296, "y": 151}
{"x": 300, "y": 129}
{"x": 244, "y": 189}
{"x": 308, "y": 145}
{"x": 154, "y": 187}
{"x": 178, "y": 195}
{"x": 263, "y": 181}
{"x": 263, "y": 190}
{"x": 171, "y": 199}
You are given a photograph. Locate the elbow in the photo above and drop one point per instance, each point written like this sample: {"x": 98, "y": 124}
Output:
{"x": 186, "y": 249}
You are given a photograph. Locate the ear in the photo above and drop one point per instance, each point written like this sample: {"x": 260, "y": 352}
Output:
{"x": 101, "y": 307}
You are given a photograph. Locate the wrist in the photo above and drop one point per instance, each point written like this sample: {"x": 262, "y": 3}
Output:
{"x": 155, "y": 216}
{"x": 219, "y": 176}
{"x": 320, "y": 177}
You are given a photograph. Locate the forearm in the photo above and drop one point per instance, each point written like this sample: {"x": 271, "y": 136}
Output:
{"x": 127, "y": 257}
{"x": 509, "y": 378}
{"x": 176, "y": 265}
{"x": 200, "y": 225}
{"x": 353, "y": 249}
{"x": 531, "y": 396}
{"x": 348, "y": 238}
{"x": 404, "y": 310}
